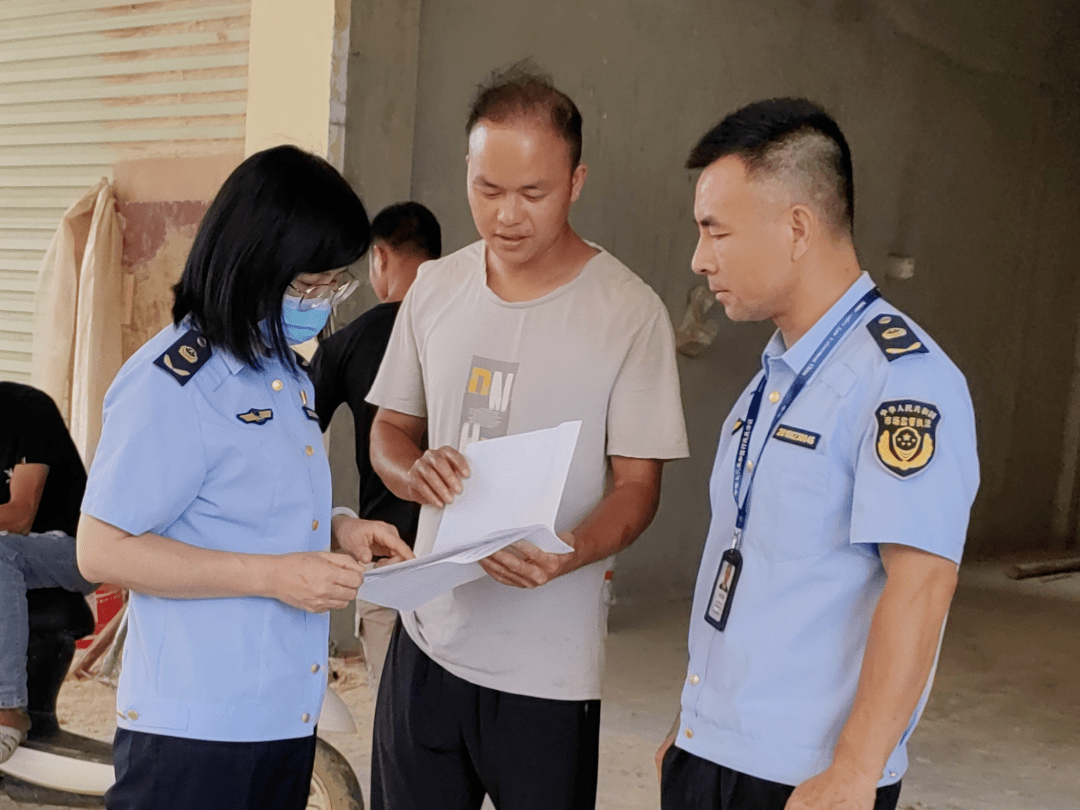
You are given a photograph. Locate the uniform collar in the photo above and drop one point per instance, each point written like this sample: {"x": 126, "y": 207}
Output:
{"x": 797, "y": 356}
{"x": 233, "y": 363}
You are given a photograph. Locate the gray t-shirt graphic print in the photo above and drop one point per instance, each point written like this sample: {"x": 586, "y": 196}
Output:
{"x": 485, "y": 408}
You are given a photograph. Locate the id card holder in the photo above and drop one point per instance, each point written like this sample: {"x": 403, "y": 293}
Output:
{"x": 723, "y": 591}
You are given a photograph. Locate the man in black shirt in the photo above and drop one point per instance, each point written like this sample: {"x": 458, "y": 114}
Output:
{"x": 343, "y": 369}
{"x": 42, "y": 480}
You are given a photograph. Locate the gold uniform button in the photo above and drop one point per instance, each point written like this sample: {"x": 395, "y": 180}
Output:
{"x": 689, "y": 733}
{"x": 750, "y": 464}
{"x": 306, "y": 718}
{"x": 315, "y": 668}
{"x": 314, "y": 525}
{"x": 774, "y": 397}
{"x": 694, "y": 680}
{"x": 277, "y": 385}
{"x": 309, "y": 450}
{"x": 133, "y": 715}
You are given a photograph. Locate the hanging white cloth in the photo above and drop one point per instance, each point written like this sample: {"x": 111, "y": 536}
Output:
{"x": 79, "y": 310}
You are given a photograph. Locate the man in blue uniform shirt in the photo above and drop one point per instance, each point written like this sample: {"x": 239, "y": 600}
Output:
{"x": 840, "y": 494}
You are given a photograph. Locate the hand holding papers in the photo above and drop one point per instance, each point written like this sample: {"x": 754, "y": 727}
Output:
{"x": 408, "y": 585}
{"x": 513, "y": 494}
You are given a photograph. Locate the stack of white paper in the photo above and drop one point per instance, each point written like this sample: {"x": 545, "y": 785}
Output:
{"x": 513, "y": 493}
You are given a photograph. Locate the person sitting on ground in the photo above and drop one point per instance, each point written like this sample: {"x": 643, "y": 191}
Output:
{"x": 42, "y": 479}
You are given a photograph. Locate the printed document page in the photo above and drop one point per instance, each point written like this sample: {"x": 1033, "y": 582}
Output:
{"x": 514, "y": 481}
{"x": 512, "y": 493}
{"x": 408, "y": 585}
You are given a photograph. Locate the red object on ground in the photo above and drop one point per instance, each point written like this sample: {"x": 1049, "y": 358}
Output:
{"x": 106, "y": 603}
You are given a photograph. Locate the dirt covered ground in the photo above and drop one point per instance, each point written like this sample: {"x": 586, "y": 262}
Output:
{"x": 1001, "y": 731}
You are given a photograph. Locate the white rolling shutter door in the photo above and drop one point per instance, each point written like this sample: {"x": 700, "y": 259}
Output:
{"x": 84, "y": 83}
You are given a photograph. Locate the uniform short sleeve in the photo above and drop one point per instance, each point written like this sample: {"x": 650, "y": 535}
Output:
{"x": 645, "y": 413}
{"x": 399, "y": 385}
{"x": 917, "y": 470}
{"x": 150, "y": 463}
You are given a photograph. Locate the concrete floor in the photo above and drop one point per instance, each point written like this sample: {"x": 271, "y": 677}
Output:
{"x": 1001, "y": 732}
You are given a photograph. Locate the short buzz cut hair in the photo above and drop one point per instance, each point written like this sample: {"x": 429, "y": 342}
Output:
{"x": 408, "y": 227}
{"x": 523, "y": 91}
{"x": 794, "y": 141}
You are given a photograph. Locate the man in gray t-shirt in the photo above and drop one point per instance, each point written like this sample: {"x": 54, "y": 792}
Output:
{"x": 494, "y": 687}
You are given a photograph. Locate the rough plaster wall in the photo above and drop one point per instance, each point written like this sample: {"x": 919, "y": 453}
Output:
{"x": 157, "y": 238}
{"x": 162, "y": 200}
{"x": 963, "y": 159}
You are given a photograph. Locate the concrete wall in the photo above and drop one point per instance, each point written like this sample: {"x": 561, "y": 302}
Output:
{"x": 965, "y": 142}
{"x": 384, "y": 41}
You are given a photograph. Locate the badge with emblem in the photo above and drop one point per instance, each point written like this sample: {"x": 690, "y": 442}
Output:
{"x": 186, "y": 356}
{"x": 256, "y": 416}
{"x": 907, "y": 435}
{"x": 894, "y": 337}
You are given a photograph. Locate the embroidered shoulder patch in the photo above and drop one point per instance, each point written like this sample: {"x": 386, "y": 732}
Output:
{"x": 186, "y": 356}
{"x": 802, "y": 438}
{"x": 736, "y": 427}
{"x": 256, "y": 416}
{"x": 907, "y": 435}
{"x": 895, "y": 337}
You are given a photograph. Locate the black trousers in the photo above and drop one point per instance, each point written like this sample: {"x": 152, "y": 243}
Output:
{"x": 689, "y": 782}
{"x": 156, "y": 772}
{"x": 441, "y": 743}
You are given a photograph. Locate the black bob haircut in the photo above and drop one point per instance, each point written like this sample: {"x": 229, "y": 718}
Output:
{"x": 760, "y": 132}
{"x": 282, "y": 212}
{"x": 408, "y": 227}
{"x": 524, "y": 91}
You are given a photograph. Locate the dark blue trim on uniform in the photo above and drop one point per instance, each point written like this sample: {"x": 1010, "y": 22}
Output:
{"x": 894, "y": 337}
{"x": 185, "y": 357}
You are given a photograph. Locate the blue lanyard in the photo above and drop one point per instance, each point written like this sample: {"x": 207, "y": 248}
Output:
{"x": 834, "y": 337}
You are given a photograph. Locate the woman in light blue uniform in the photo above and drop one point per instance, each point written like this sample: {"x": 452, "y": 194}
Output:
{"x": 209, "y": 498}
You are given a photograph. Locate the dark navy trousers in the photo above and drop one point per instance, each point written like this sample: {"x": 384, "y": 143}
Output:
{"x": 158, "y": 772}
{"x": 692, "y": 783}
